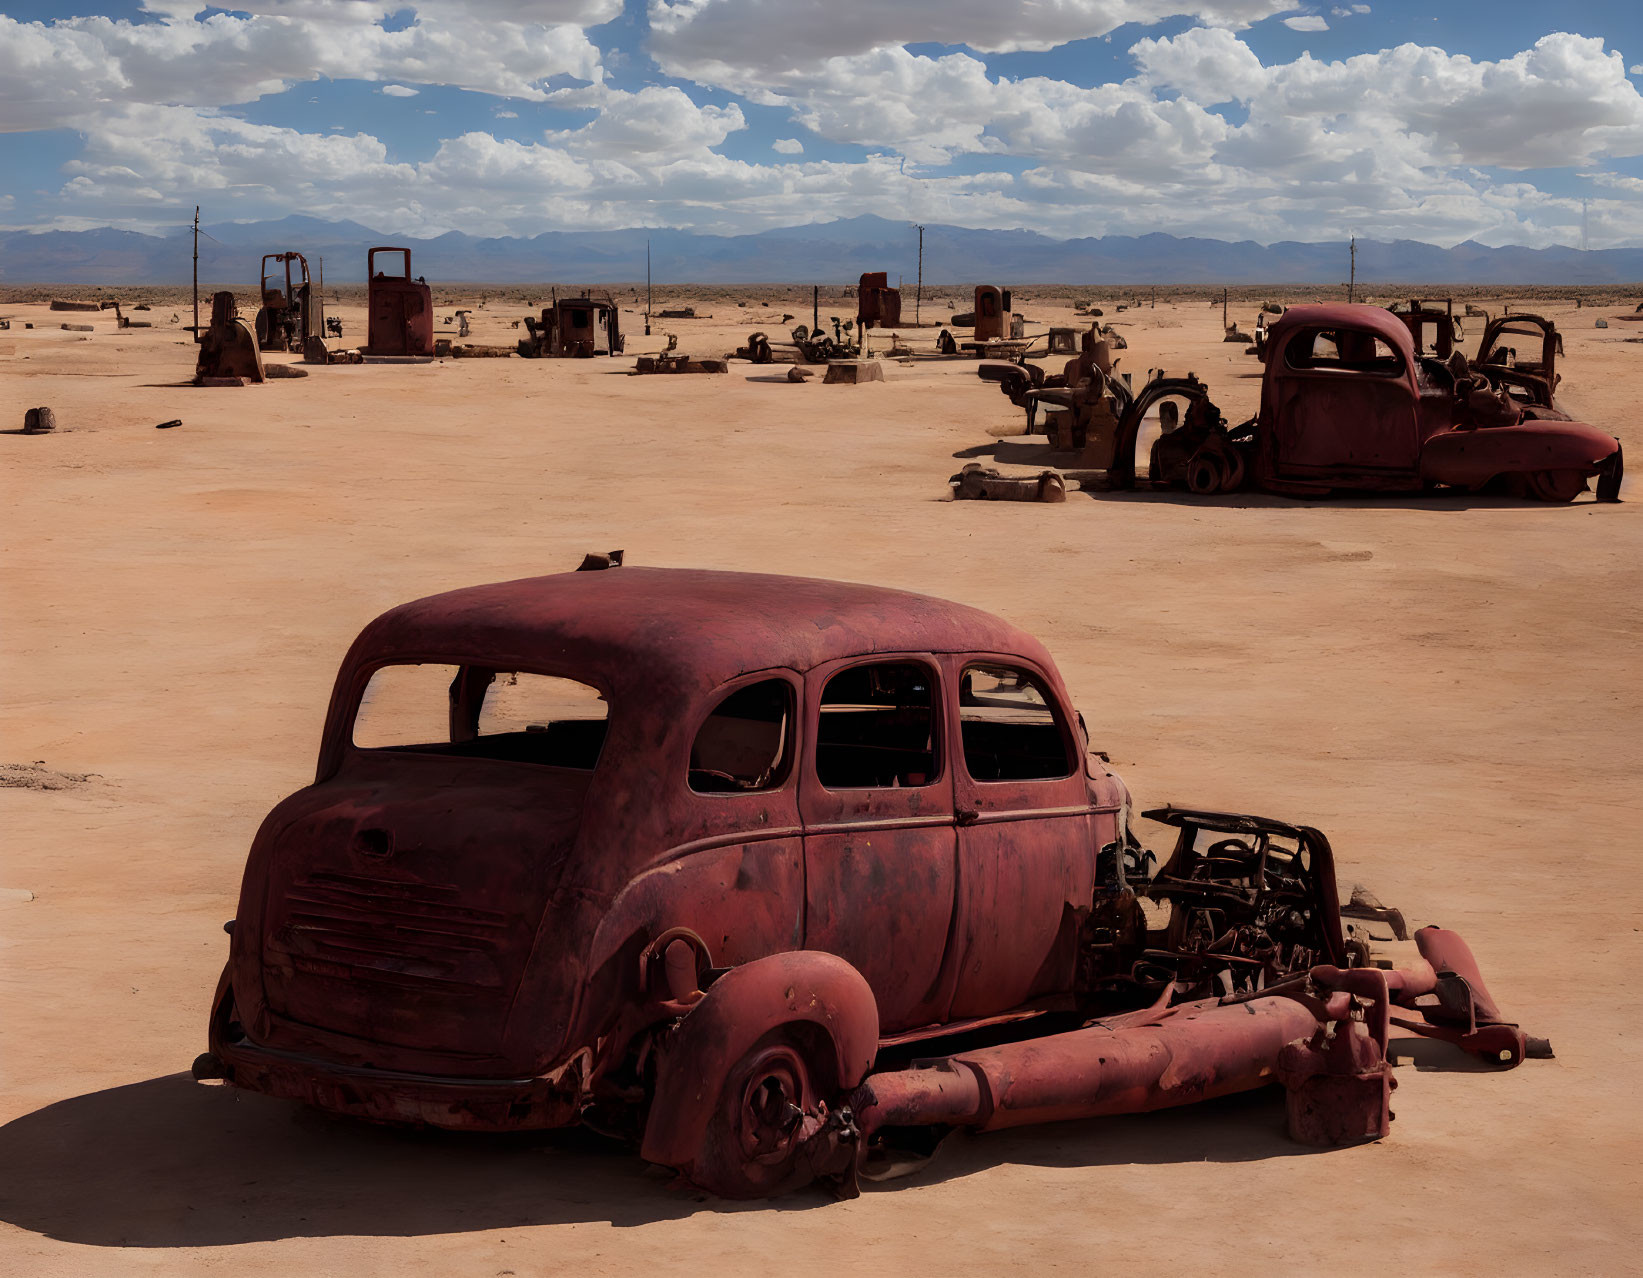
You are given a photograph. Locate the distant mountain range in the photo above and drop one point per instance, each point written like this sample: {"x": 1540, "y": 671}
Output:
{"x": 823, "y": 253}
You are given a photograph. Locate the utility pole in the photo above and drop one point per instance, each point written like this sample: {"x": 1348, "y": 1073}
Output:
{"x": 320, "y": 333}
{"x": 196, "y": 275}
{"x": 647, "y": 287}
{"x": 815, "y": 309}
{"x": 1223, "y": 306}
{"x": 1352, "y": 284}
{"x": 918, "y": 297}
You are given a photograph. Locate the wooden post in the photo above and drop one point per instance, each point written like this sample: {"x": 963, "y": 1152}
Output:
{"x": 196, "y": 274}
{"x": 1352, "y": 283}
{"x": 1223, "y": 307}
{"x": 647, "y": 287}
{"x": 918, "y": 297}
{"x": 815, "y": 309}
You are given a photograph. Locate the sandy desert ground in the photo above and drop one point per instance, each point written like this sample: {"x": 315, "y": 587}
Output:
{"x": 1449, "y": 688}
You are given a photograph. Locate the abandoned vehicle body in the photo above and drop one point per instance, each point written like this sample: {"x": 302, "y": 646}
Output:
{"x": 285, "y": 320}
{"x": 1347, "y": 404}
{"x": 574, "y": 328}
{"x": 399, "y": 310}
{"x": 769, "y": 875}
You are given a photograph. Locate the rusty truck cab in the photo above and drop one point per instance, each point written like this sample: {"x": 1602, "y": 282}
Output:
{"x": 400, "y": 315}
{"x": 994, "y": 321}
{"x": 1341, "y": 399}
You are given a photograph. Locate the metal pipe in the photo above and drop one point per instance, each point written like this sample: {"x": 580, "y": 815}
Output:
{"x": 1193, "y": 1053}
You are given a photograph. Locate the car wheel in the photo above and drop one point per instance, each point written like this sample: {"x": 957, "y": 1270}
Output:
{"x": 754, "y": 1146}
{"x": 1555, "y": 485}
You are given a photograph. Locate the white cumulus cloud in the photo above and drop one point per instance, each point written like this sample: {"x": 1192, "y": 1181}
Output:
{"x": 1307, "y": 22}
{"x": 398, "y": 91}
{"x": 787, "y": 146}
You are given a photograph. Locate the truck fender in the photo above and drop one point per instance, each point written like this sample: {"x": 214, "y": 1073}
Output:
{"x": 740, "y": 1008}
{"x": 1470, "y": 458}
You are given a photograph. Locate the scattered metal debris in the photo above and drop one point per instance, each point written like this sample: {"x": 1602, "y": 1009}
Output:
{"x": 798, "y": 373}
{"x": 674, "y": 362}
{"x": 63, "y": 304}
{"x": 170, "y": 425}
{"x": 39, "y": 421}
{"x": 76, "y": 328}
{"x": 317, "y": 352}
{"x": 978, "y": 484}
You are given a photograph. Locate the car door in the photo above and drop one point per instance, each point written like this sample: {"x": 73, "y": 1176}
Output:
{"x": 1346, "y": 401}
{"x": 1026, "y": 845}
{"x": 876, "y": 799}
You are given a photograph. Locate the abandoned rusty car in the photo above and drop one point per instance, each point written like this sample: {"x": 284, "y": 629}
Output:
{"x": 1348, "y": 404}
{"x": 777, "y": 879}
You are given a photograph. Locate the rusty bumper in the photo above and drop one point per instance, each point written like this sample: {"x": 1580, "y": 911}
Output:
{"x": 388, "y": 1096}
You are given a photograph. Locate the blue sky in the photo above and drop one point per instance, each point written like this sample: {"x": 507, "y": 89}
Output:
{"x": 1511, "y": 122}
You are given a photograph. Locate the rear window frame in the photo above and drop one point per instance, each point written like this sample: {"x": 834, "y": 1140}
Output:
{"x": 362, "y": 680}
{"x": 1306, "y": 338}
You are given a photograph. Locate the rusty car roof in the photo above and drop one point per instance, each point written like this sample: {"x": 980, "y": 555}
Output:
{"x": 697, "y": 626}
{"x": 1375, "y": 319}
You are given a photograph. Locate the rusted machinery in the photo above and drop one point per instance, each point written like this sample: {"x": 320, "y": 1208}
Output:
{"x": 228, "y": 354}
{"x": 574, "y": 328}
{"x": 877, "y": 304}
{"x": 978, "y": 483}
{"x": 285, "y": 321}
{"x": 1084, "y": 402}
{"x": 400, "y": 310}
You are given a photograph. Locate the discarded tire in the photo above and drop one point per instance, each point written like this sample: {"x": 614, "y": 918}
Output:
{"x": 1204, "y": 473}
{"x": 39, "y": 421}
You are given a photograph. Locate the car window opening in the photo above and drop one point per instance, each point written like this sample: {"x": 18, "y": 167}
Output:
{"x": 1342, "y": 350}
{"x": 475, "y": 712}
{"x": 876, "y": 728}
{"x": 1009, "y": 727}
{"x": 745, "y": 744}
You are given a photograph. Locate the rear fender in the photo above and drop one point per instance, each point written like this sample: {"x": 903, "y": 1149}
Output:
{"x": 802, "y": 987}
{"x": 1471, "y": 458}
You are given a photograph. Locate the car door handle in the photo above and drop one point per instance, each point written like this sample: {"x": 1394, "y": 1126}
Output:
{"x": 967, "y": 816}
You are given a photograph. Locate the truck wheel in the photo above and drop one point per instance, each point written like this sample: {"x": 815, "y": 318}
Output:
{"x": 1555, "y": 485}
{"x": 755, "y": 1139}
